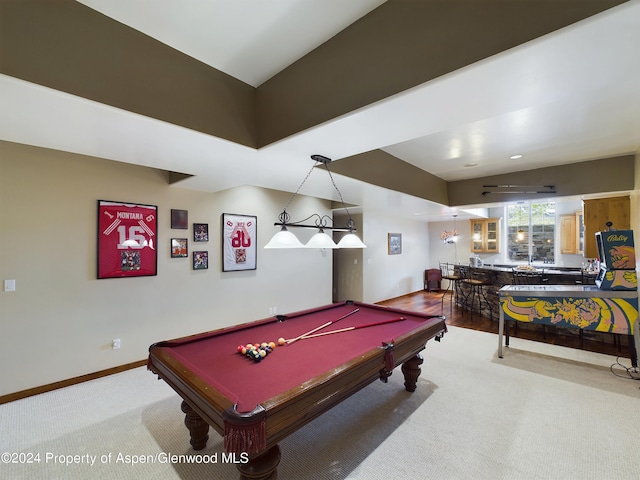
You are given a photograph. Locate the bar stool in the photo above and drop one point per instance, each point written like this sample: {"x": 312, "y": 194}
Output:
{"x": 476, "y": 289}
{"x": 447, "y": 271}
{"x": 530, "y": 277}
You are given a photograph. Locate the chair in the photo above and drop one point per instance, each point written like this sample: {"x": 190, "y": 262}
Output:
{"x": 447, "y": 272}
{"x": 475, "y": 284}
{"x": 528, "y": 277}
{"x": 431, "y": 276}
{"x": 587, "y": 278}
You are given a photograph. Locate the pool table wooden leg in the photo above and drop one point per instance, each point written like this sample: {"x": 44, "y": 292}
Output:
{"x": 411, "y": 370}
{"x": 198, "y": 428}
{"x": 262, "y": 467}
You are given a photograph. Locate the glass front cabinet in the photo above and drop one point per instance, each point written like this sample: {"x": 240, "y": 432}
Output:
{"x": 485, "y": 234}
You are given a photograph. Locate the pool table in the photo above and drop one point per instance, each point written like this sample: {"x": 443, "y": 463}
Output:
{"x": 256, "y": 404}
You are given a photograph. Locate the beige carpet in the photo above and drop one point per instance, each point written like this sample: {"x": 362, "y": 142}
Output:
{"x": 542, "y": 412}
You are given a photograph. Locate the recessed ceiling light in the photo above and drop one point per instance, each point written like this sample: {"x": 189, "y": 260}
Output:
{"x": 515, "y": 157}
{"x": 470, "y": 164}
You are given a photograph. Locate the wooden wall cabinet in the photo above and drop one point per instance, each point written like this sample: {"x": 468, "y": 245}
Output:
{"x": 572, "y": 233}
{"x": 579, "y": 232}
{"x": 597, "y": 213}
{"x": 567, "y": 234}
{"x": 485, "y": 235}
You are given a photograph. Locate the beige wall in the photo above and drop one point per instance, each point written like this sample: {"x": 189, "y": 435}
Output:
{"x": 347, "y": 264}
{"x": 60, "y": 321}
{"x": 388, "y": 276}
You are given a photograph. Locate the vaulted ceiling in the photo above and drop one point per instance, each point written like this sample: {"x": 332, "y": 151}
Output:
{"x": 234, "y": 92}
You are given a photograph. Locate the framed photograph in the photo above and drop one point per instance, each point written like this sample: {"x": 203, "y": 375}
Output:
{"x": 127, "y": 239}
{"x": 395, "y": 243}
{"x": 179, "y": 247}
{"x": 200, "y": 232}
{"x": 200, "y": 260}
{"x": 239, "y": 235}
{"x": 179, "y": 219}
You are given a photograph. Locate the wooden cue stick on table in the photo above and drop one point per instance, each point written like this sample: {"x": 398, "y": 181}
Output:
{"x": 290, "y": 341}
{"x": 348, "y": 329}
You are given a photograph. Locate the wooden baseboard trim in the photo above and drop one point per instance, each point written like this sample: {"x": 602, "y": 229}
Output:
{"x": 71, "y": 381}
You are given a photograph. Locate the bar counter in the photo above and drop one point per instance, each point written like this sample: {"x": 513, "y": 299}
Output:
{"x": 497, "y": 276}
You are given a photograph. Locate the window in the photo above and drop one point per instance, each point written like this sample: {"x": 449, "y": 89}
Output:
{"x": 531, "y": 228}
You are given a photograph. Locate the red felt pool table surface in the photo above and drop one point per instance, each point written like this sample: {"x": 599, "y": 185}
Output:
{"x": 214, "y": 359}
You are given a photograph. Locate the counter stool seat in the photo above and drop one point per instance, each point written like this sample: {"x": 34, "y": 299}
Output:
{"x": 476, "y": 290}
{"x": 448, "y": 273}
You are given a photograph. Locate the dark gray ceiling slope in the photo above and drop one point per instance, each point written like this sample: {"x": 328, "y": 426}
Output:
{"x": 66, "y": 46}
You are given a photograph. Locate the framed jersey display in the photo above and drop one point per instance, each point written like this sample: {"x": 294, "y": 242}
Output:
{"x": 127, "y": 239}
{"x": 238, "y": 242}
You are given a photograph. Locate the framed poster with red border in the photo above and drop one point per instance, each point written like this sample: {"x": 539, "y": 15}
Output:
{"x": 127, "y": 239}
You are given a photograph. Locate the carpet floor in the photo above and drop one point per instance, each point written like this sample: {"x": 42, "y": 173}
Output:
{"x": 541, "y": 412}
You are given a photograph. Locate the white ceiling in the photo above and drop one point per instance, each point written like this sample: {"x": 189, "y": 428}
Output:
{"x": 569, "y": 96}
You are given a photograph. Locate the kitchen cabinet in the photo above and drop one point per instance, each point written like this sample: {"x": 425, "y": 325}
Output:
{"x": 579, "y": 231}
{"x": 485, "y": 235}
{"x": 572, "y": 233}
{"x": 567, "y": 234}
{"x": 597, "y": 212}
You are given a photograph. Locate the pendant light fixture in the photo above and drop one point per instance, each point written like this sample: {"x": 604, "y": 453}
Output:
{"x": 285, "y": 239}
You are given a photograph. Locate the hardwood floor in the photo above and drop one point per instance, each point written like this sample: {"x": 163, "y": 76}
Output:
{"x": 430, "y": 303}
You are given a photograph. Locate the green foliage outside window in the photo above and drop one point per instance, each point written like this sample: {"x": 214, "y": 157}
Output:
{"x": 531, "y": 230}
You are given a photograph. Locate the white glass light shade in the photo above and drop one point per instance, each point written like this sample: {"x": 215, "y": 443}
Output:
{"x": 284, "y": 239}
{"x": 350, "y": 240}
{"x": 321, "y": 240}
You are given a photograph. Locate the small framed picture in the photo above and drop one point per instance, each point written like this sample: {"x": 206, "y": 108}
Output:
{"x": 200, "y": 232}
{"x": 395, "y": 243}
{"x": 179, "y": 219}
{"x": 200, "y": 260}
{"x": 179, "y": 247}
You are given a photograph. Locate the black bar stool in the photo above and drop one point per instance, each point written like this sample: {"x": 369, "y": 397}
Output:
{"x": 475, "y": 283}
{"x": 447, "y": 271}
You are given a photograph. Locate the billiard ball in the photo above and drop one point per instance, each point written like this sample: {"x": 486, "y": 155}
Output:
{"x": 272, "y": 345}
{"x": 281, "y": 341}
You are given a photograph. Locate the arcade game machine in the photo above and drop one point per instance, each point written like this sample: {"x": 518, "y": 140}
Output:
{"x": 611, "y": 305}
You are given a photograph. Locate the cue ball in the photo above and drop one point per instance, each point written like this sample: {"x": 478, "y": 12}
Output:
{"x": 281, "y": 341}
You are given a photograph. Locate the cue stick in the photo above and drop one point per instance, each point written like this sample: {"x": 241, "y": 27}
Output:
{"x": 290, "y": 341}
{"x": 348, "y": 329}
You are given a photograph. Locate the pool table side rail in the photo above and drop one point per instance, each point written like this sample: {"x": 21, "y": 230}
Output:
{"x": 205, "y": 401}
